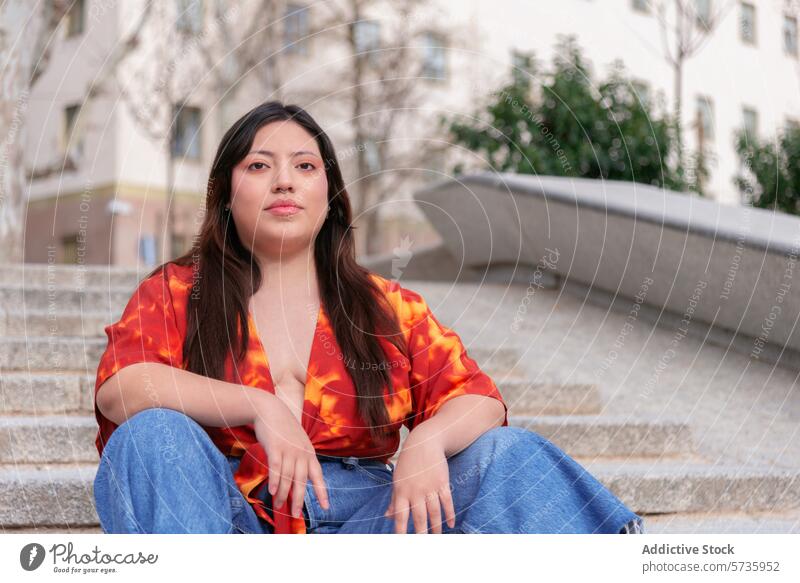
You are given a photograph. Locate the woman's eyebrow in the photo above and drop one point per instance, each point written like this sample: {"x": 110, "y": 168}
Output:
{"x": 272, "y": 154}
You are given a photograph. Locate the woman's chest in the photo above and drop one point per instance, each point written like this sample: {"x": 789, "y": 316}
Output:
{"x": 315, "y": 376}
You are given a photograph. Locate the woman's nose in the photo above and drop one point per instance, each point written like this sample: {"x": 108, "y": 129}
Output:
{"x": 283, "y": 179}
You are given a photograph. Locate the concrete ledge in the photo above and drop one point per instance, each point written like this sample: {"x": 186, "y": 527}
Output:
{"x": 51, "y": 354}
{"x": 549, "y": 398}
{"x": 734, "y": 267}
{"x": 43, "y": 393}
{"x": 47, "y": 439}
{"x": 679, "y": 486}
{"x": 48, "y": 496}
{"x": 610, "y": 436}
{"x": 43, "y": 274}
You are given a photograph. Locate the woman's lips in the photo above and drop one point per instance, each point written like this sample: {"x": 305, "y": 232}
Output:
{"x": 285, "y": 210}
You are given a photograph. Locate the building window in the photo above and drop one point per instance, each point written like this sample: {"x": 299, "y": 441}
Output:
{"x": 433, "y": 56}
{"x": 642, "y": 91}
{"x": 750, "y": 122}
{"x": 523, "y": 66}
{"x": 367, "y": 37}
{"x": 147, "y": 249}
{"x": 747, "y": 24}
{"x": 705, "y": 119}
{"x": 69, "y": 249}
{"x": 190, "y": 16}
{"x": 790, "y": 35}
{"x": 75, "y": 18}
{"x": 702, "y": 9}
{"x": 179, "y": 244}
{"x": 641, "y": 5}
{"x": 72, "y": 139}
{"x": 295, "y": 29}
{"x": 186, "y": 141}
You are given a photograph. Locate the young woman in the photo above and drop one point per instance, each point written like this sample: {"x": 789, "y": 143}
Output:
{"x": 258, "y": 383}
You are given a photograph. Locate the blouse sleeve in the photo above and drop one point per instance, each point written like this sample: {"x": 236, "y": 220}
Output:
{"x": 440, "y": 366}
{"x": 146, "y": 332}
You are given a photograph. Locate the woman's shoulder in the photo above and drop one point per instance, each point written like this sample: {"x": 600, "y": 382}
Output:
{"x": 170, "y": 277}
{"x": 408, "y": 303}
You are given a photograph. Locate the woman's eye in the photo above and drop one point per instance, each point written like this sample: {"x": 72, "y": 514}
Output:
{"x": 307, "y": 164}
{"x": 255, "y": 164}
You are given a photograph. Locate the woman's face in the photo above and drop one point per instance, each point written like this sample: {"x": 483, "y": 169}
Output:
{"x": 284, "y": 164}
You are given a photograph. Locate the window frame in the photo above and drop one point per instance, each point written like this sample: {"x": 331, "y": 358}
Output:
{"x": 188, "y": 22}
{"x": 708, "y": 136}
{"x": 434, "y": 43}
{"x": 76, "y": 19}
{"x": 753, "y": 112}
{"x": 368, "y": 51}
{"x": 793, "y": 19}
{"x": 743, "y": 8}
{"x": 180, "y": 111}
{"x": 295, "y": 42}
{"x": 704, "y": 20}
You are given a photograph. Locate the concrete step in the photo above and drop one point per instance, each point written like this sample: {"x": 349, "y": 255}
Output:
{"x": 70, "y": 438}
{"x": 43, "y": 274}
{"x": 54, "y": 495}
{"x": 46, "y": 323}
{"x": 610, "y": 436}
{"x": 19, "y": 297}
{"x": 52, "y": 530}
{"x": 724, "y": 523}
{"x": 61, "y": 495}
{"x": 550, "y": 397}
{"x": 693, "y": 485}
{"x": 497, "y": 362}
{"x": 18, "y": 353}
{"x": 45, "y": 393}
{"x": 48, "y": 439}
{"x": 83, "y": 354}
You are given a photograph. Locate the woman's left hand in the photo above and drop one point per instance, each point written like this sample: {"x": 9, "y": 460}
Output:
{"x": 421, "y": 486}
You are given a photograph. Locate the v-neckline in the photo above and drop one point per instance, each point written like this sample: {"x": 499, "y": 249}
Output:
{"x": 260, "y": 344}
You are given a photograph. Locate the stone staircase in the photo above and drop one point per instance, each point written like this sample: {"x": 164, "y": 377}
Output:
{"x": 51, "y": 337}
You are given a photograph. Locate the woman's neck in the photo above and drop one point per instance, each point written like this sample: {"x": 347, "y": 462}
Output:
{"x": 292, "y": 275}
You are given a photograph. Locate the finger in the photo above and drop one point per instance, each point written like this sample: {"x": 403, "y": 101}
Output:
{"x": 401, "y": 516}
{"x": 274, "y": 460}
{"x": 299, "y": 486}
{"x": 446, "y": 496}
{"x": 287, "y": 472}
{"x": 389, "y": 510}
{"x": 434, "y": 512}
{"x": 419, "y": 511}
{"x": 315, "y": 473}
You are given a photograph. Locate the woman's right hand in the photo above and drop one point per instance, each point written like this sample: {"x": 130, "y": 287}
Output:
{"x": 291, "y": 457}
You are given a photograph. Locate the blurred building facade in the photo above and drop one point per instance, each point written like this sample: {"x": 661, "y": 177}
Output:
{"x": 98, "y": 180}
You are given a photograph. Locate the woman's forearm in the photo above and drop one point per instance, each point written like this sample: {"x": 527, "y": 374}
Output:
{"x": 146, "y": 385}
{"x": 458, "y": 422}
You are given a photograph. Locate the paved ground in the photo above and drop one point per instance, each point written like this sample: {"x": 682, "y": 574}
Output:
{"x": 740, "y": 410}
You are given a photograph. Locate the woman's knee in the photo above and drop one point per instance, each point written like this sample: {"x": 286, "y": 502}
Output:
{"x": 158, "y": 430}
{"x": 507, "y": 438}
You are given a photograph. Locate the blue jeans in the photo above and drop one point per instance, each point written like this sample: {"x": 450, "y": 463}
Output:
{"x": 161, "y": 473}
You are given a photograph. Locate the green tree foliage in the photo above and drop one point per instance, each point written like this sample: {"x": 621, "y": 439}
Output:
{"x": 563, "y": 124}
{"x": 771, "y": 175}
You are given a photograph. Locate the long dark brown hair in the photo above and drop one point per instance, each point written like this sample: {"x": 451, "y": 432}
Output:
{"x": 227, "y": 275}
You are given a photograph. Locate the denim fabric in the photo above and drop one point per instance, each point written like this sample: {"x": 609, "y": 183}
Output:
{"x": 161, "y": 473}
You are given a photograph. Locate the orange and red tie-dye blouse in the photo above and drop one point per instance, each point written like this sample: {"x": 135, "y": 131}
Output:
{"x": 152, "y": 329}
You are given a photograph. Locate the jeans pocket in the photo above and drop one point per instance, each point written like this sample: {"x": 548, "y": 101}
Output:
{"x": 380, "y": 474}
